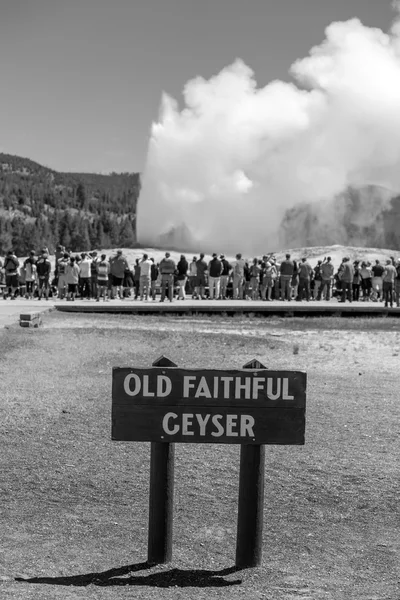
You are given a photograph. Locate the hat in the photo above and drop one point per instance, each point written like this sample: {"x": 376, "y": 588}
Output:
{"x": 119, "y": 251}
{"x": 222, "y": 256}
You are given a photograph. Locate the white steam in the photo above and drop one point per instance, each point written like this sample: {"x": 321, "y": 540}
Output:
{"x": 221, "y": 172}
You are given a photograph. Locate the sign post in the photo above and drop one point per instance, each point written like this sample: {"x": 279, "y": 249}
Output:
{"x": 161, "y": 496}
{"x": 252, "y": 406}
{"x": 251, "y": 500}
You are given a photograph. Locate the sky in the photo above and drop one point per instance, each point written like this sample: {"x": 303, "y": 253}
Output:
{"x": 81, "y": 80}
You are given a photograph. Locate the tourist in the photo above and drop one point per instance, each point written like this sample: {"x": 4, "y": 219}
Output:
{"x": 255, "y": 273}
{"x": 214, "y": 277}
{"x": 72, "y": 275}
{"x": 238, "y": 280}
{"x": 182, "y": 275}
{"x": 30, "y": 275}
{"x": 145, "y": 277}
{"x": 201, "y": 281}
{"x": 167, "y": 270}
{"x": 317, "y": 279}
{"x": 356, "y": 281}
{"x": 193, "y": 277}
{"x": 154, "y": 272}
{"x": 11, "y": 264}
{"x": 326, "y": 271}
{"x": 225, "y": 275}
{"x": 93, "y": 274}
{"x": 270, "y": 277}
{"x": 287, "y": 269}
{"x": 397, "y": 283}
{"x": 136, "y": 278}
{"x": 118, "y": 264}
{"x": 346, "y": 278}
{"x": 377, "y": 281}
{"x": 43, "y": 268}
{"x": 305, "y": 272}
{"x": 366, "y": 281}
{"x": 388, "y": 277}
{"x": 103, "y": 269}
{"x": 85, "y": 276}
{"x": 62, "y": 276}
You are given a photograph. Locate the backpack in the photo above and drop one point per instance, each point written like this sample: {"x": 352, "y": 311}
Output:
{"x": 7, "y": 261}
{"x": 102, "y": 269}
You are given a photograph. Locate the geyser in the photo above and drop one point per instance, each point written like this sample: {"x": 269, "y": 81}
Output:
{"x": 222, "y": 171}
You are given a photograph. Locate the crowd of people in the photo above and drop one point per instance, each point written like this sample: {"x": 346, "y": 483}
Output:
{"x": 94, "y": 276}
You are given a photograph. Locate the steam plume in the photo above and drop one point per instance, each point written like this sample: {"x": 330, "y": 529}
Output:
{"x": 222, "y": 171}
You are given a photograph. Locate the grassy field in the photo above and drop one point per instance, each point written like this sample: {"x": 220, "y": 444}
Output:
{"x": 74, "y": 504}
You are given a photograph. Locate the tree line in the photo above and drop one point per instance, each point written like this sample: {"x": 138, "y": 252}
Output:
{"x": 82, "y": 211}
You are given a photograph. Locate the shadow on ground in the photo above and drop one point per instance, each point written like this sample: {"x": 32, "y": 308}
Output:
{"x": 162, "y": 579}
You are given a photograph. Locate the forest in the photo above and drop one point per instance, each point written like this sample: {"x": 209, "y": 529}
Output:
{"x": 40, "y": 207}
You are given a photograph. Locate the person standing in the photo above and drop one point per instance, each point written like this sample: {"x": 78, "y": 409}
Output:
{"x": 103, "y": 269}
{"x": 167, "y": 270}
{"x": 214, "y": 277}
{"x": 225, "y": 274}
{"x": 118, "y": 265}
{"x": 347, "y": 276}
{"x": 397, "y": 283}
{"x": 72, "y": 274}
{"x": 317, "y": 280}
{"x": 182, "y": 270}
{"x": 305, "y": 272}
{"x": 193, "y": 277}
{"x": 30, "y": 275}
{"x": 201, "y": 266}
{"x": 145, "y": 277}
{"x": 326, "y": 270}
{"x": 85, "y": 276}
{"x": 238, "y": 280}
{"x": 286, "y": 272}
{"x": 356, "y": 281}
{"x": 136, "y": 278}
{"x": 255, "y": 274}
{"x": 11, "y": 264}
{"x": 43, "y": 267}
{"x": 366, "y": 281}
{"x": 62, "y": 276}
{"x": 154, "y": 272}
{"x": 269, "y": 279}
{"x": 388, "y": 278}
{"x": 93, "y": 274}
{"x": 377, "y": 281}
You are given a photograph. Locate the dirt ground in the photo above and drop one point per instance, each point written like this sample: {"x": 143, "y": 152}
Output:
{"x": 74, "y": 504}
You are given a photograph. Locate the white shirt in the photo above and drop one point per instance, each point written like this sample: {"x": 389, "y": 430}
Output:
{"x": 145, "y": 267}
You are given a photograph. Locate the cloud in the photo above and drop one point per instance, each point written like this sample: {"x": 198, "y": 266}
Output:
{"x": 226, "y": 167}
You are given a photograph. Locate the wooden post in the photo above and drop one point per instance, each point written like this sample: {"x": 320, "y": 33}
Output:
{"x": 251, "y": 500}
{"x": 161, "y": 497}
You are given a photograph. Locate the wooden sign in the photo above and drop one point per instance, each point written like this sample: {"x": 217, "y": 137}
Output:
{"x": 256, "y": 406}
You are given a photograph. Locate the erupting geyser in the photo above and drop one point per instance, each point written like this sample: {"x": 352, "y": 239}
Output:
{"x": 222, "y": 171}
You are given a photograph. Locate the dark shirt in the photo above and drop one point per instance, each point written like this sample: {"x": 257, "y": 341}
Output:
{"x": 182, "y": 268}
{"x": 43, "y": 266}
{"x": 215, "y": 268}
{"x": 201, "y": 266}
{"x": 287, "y": 267}
{"x": 377, "y": 270}
{"x": 154, "y": 272}
{"x": 226, "y": 267}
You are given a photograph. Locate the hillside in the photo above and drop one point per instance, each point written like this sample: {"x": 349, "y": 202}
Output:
{"x": 368, "y": 216}
{"x": 43, "y": 207}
